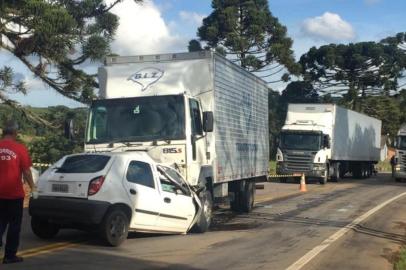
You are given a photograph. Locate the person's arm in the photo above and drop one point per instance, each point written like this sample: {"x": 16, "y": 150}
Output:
{"x": 27, "y": 175}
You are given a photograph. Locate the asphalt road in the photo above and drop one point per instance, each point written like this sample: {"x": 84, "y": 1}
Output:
{"x": 338, "y": 226}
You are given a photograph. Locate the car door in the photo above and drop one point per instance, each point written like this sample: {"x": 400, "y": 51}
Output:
{"x": 143, "y": 193}
{"x": 178, "y": 210}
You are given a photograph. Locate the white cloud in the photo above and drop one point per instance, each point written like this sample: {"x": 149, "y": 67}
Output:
{"x": 328, "y": 27}
{"x": 142, "y": 30}
{"x": 191, "y": 17}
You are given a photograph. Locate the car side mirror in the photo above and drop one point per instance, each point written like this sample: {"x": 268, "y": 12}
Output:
{"x": 69, "y": 131}
{"x": 208, "y": 121}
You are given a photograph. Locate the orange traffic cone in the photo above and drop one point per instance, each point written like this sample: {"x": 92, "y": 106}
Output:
{"x": 302, "y": 187}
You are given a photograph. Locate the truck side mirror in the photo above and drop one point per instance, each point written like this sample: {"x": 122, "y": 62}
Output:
{"x": 69, "y": 131}
{"x": 395, "y": 142}
{"x": 326, "y": 141}
{"x": 208, "y": 121}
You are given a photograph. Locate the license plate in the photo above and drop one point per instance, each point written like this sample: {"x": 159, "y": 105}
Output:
{"x": 64, "y": 188}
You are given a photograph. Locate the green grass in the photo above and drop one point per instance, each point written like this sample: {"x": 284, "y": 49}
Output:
{"x": 272, "y": 167}
{"x": 401, "y": 263}
{"x": 383, "y": 166}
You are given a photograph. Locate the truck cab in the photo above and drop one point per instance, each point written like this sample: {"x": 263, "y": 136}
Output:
{"x": 168, "y": 127}
{"x": 399, "y": 164}
{"x": 304, "y": 147}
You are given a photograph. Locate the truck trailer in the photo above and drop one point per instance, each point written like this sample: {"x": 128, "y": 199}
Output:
{"x": 399, "y": 165}
{"x": 326, "y": 141}
{"x": 197, "y": 112}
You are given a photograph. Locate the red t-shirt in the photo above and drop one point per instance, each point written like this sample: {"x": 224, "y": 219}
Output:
{"x": 14, "y": 159}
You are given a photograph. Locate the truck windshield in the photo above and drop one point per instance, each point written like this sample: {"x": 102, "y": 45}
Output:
{"x": 136, "y": 119}
{"x": 402, "y": 142}
{"x": 300, "y": 141}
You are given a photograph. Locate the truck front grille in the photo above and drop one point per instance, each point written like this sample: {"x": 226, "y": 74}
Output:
{"x": 298, "y": 163}
{"x": 402, "y": 158}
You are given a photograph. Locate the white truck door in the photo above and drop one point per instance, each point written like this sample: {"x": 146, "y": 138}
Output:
{"x": 178, "y": 210}
{"x": 143, "y": 193}
{"x": 198, "y": 153}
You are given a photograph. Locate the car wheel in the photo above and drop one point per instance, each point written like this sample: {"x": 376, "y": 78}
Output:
{"x": 114, "y": 228}
{"x": 43, "y": 228}
{"x": 203, "y": 223}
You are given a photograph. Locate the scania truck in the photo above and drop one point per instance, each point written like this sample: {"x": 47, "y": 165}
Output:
{"x": 399, "y": 166}
{"x": 197, "y": 112}
{"x": 326, "y": 141}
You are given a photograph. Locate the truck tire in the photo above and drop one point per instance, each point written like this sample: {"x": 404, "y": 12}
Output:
{"x": 336, "y": 172}
{"x": 323, "y": 180}
{"x": 248, "y": 197}
{"x": 204, "y": 221}
{"x": 114, "y": 228}
{"x": 43, "y": 228}
{"x": 243, "y": 197}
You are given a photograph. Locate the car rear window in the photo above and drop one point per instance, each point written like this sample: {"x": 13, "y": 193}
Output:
{"x": 84, "y": 164}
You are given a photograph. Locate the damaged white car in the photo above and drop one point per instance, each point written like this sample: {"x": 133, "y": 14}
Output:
{"x": 115, "y": 193}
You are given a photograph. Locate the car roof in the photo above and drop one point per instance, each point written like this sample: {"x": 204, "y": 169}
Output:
{"x": 139, "y": 155}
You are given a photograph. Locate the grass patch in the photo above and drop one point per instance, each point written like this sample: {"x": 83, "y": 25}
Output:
{"x": 401, "y": 263}
{"x": 384, "y": 166}
{"x": 272, "y": 167}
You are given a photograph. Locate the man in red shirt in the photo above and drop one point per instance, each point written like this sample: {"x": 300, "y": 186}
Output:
{"x": 15, "y": 163}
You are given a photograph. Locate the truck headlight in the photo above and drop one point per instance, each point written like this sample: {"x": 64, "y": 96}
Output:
{"x": 319, "y": 167}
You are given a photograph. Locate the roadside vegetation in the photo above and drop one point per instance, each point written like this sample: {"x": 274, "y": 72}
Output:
{"x": 401, "y": 263}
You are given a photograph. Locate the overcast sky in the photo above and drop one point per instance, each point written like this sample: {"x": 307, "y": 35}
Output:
{"x": 161, "y": 26}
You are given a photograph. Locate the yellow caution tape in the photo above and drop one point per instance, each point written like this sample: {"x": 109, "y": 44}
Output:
{"x": 41, "y": 165}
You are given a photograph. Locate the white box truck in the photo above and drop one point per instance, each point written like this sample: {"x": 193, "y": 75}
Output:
{"x": 326, "y": 141}
{"x": 197, "y": 112}
{"x": 399, "y": 166}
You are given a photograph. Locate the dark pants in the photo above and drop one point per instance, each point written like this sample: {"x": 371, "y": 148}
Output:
{"x": 11, "y": 214}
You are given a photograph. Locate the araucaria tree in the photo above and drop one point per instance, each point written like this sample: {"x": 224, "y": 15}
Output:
{"x": 246, "y": 32}
{"x": 54, "y": 39}
{"x": 354, "y": 70}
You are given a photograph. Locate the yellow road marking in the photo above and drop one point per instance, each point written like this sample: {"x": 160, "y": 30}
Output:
{"x": 47, "y": 249}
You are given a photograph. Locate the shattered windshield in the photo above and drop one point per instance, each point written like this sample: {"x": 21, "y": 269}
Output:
{"x": 137, "y": 119}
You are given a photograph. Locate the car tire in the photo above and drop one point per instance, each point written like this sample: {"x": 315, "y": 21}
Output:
{"x": 43, "y": 228}
{"x": 204, "y": 221}
{"x": 114, "y": 228}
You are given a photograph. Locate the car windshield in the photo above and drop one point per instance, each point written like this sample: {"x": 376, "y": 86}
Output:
{"x": 300, "y": 141}
{"x": 83, "y": 164}
{"x": 136, "y": 119}
{"x": 402, "y": 142}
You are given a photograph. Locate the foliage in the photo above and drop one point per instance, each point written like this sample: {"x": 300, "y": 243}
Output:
{"x": 53, "y": 39}
{"x": 401, "y": 263}
{"x": 354, "y": 70}
{"x": 386, "y": 109}
{"x": 299, "y": 92}
{"x": 248, "y": 33}
{"x": 46, "y": 142}
{"x": 51, "y": 148}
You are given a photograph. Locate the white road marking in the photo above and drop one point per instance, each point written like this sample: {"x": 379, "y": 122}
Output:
{"x": 326, "y": 243}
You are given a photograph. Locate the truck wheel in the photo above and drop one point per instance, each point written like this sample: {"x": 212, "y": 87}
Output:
{"x": 323, "y": 179}
{"x": 243, "y": 197}
{"x": 336, "y": 173}
{"x": 203, "y": 223}
{"x": 248, "y": 197}
{"x": 43, "y": 228}
{"x": 114, "y": 228}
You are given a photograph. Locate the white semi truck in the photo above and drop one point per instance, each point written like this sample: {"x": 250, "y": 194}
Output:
{"x": 399, "y": 166}
{"x": 197, "y": 112}
{"x": 326, "y": 141}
